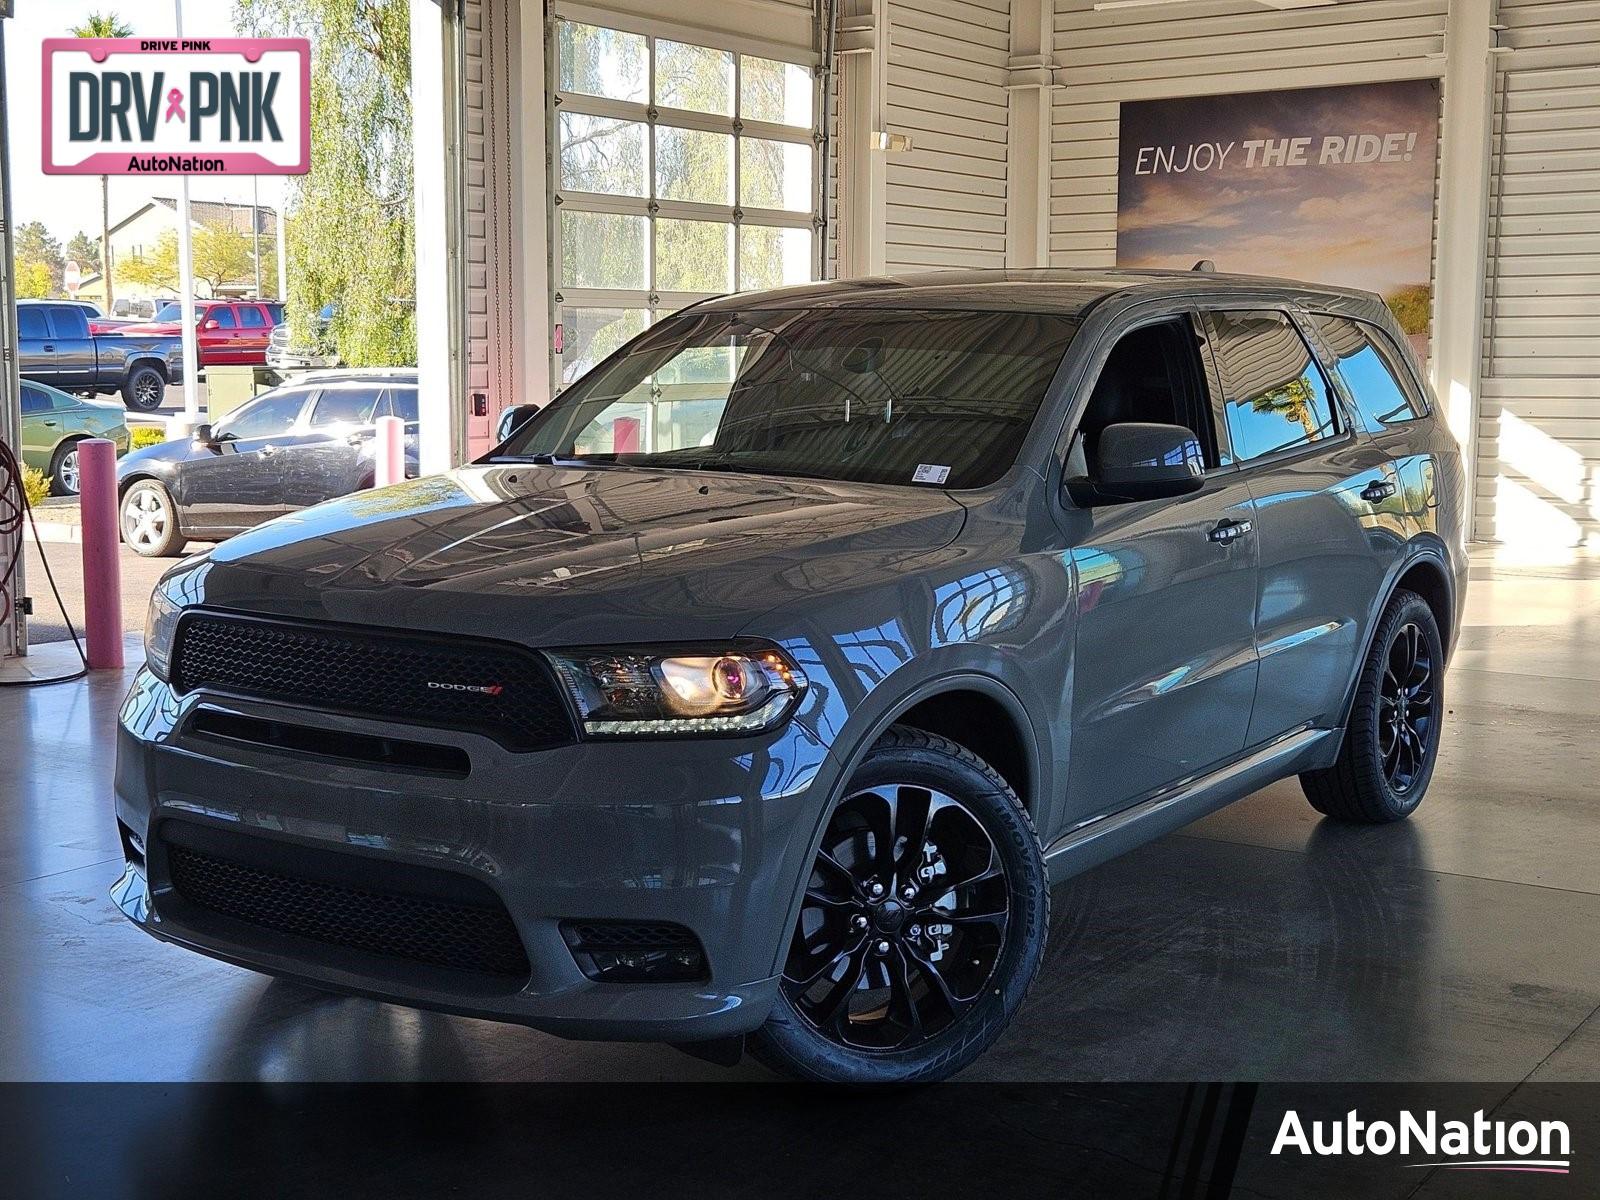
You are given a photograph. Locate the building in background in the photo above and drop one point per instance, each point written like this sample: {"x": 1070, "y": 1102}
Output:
{"x": 225, "y": 252}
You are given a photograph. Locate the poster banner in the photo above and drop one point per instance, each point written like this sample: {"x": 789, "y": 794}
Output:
{"x": 170, "y": 106}
{"x": 1330, "y": 185}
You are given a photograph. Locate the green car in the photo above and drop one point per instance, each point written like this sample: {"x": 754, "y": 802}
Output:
{"x": 54, "y": 422}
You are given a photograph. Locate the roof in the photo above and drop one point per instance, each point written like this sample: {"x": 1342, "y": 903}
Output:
{"x": 235, "y": 217}
{"x": 1043, "y": 289}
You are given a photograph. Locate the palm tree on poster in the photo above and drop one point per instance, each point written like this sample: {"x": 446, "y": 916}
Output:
{"x": 104, "y": 25}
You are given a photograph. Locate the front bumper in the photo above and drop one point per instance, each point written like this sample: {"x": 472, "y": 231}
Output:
{"x": 712, "y": 835}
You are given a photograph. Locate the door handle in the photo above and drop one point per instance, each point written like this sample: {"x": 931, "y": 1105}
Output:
{"x": 48, "y": 424}
{"x": 1376, "y": 491}
{"x": 1229, "y": 531}
{"x": 49, "y": 348}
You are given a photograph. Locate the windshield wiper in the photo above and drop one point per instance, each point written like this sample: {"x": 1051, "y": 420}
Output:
{"x": 551, "y": 460}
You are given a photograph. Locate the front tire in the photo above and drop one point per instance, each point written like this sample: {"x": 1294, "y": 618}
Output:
{"x": 149, "y": 521}
{"x": 923, "y": 924}
{"x": 1391, "y": 740}
{"x": 144, "y": 388}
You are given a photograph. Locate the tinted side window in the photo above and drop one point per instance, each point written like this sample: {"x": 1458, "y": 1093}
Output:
{"x": 1277, "y": 398}
{"x": 222, "y": 316}
{"x": 68, "y": 322}
{"x": 403, "y": 403}
{"x": 266, "y": 416}
{"x": 345, "y": 406}
{"x": 30, "y": 324}
{"x": 250, "y": 317}
{"x": 1370, "y": 372}
{"x": 34, "y": 401}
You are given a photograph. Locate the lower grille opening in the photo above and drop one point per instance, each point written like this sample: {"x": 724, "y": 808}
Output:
{"x": 395, "y": 910}
{"x": 635, "y": 951}
{"x": 390, "y": 753}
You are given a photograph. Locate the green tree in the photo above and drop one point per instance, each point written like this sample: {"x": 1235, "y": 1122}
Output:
{"x": 33, "y": 281}
{"x": 102, "y": 25}
{"x": 33, "y": 246}
{"x": 351, "y": 222}
{"x": 221, "y": 256}
{"x": 84, "y": 251}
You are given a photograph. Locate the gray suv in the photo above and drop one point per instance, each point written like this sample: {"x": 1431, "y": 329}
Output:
{"x": 755, "y": 692}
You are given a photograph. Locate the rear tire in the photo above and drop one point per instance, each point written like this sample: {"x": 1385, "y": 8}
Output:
{"x": 1391, "y": 740}
{"x": 923, "y": 927}
{"x": 149, "y": 521}
{"x": 64, "y": 479}
{"x": 144, "y": 388}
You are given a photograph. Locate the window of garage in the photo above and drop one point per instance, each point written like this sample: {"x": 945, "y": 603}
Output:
{"x": 680, "y": 171}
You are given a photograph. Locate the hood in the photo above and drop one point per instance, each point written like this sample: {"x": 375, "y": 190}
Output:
{"x": 567, "y": 556}
{"x": 151, "y": 456}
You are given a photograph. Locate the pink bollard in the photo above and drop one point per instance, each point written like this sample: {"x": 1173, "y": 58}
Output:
{"x": 391, "y": 449}
{"x": 102, "y": 566}
{"x": 625, "y": 435}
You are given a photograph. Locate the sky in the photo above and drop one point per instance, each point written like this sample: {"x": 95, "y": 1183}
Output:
{"x": 1360, "y": 224}
{"x": 69, "y": 203}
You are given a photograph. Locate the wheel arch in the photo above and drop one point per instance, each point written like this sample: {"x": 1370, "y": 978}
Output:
{"x": 149, "y": 360}
{"x": 955, "y": 689}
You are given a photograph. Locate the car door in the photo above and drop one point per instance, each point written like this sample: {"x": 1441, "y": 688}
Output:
{"x": 237, "y": 481}
{"x": 219, "y": 336}
{"x": 332, "y": 456}
{"x": 254, "y": 329}
{"x": 1164, "y": 672}
{"x": 74, "y": 348}
{"x": 38, "y": 346}
{"x": 1318, "y": 489}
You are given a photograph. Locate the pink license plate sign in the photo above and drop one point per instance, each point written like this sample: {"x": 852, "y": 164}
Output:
{"x": 199, "y": 106}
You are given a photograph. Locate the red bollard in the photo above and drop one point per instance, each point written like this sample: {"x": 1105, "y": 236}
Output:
{"x": 102, "y": 568}
{"x": 391, "y": 449}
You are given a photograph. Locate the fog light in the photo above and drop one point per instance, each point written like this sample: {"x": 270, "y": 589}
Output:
{"x": 635, "y": 952}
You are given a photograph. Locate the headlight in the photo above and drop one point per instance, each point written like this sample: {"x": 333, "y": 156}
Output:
{"x": 651, "y": 693}
{"x": 160, "y": 623}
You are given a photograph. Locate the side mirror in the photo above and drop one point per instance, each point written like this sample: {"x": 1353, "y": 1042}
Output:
{"x": 1139, "y": 460}
{"x": 211, "y": 324}
{"x": 204, "y": 436}
{"x": 512, "y": 420}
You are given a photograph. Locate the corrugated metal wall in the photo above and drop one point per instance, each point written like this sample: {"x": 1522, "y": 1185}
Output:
{"x": 946, "y": 197}
{"x": 492, "y": 270}
{"x": 1206, "y": 49}
{"x": 1539, "y": 426}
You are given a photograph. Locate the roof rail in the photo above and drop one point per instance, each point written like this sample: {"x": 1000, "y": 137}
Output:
{"x": 1205, "y": 264}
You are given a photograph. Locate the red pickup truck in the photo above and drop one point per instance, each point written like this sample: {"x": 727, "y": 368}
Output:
{"x": 227, "y": 332}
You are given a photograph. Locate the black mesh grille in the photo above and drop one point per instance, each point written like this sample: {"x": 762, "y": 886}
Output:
{"x": 418, "y": 680}
{"x": 424, "y": 929}
{"x": 630, "y": 935}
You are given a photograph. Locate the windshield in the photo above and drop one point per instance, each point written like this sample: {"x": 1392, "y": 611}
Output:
{"x": 174, "y": 312}
{"x": 916, "y": 398}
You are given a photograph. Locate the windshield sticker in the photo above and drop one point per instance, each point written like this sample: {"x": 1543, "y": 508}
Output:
{"x": 930, "y": 473}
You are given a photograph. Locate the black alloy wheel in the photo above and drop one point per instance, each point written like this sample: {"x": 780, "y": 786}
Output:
{"x": 903, "y": 921}
{"x": 1406, "y": 708}
{"x": 1391, "y": 738}
{"x": 921, "y": 926}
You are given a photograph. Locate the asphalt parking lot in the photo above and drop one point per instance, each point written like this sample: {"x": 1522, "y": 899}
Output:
{"x": 139, "y": 577}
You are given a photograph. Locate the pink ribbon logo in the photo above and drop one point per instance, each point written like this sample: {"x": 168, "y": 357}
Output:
{"x": 175, "y": 105}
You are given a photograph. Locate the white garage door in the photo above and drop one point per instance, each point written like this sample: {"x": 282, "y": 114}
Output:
{"x": 1539, "y": 428}
{"x": 679, "y": 171}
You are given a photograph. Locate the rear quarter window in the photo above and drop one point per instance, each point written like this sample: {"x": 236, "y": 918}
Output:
{"x": 1371, "y": 372}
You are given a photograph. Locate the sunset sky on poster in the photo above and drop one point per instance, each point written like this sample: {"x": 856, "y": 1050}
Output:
{"x": 1265, "y": 204}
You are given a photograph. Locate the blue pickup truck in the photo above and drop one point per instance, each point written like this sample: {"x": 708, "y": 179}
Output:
{"x": 58, "y": 349}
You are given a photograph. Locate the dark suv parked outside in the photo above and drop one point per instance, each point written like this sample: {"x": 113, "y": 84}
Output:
{"x": 761, "y": 685}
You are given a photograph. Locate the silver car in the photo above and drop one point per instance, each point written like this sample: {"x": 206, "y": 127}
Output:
{"x": 755, "y": 692}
